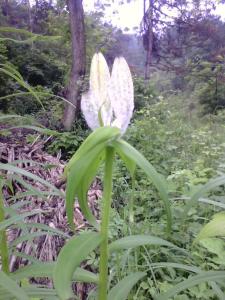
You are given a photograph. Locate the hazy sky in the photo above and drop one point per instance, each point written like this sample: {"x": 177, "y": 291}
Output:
{"x": 130, "y": 14}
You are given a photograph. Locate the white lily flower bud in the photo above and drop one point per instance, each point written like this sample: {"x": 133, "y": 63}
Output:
{"x": 96, "y": 101}
{"x": 121, "y": 93}
{"x": 111, "y": 98}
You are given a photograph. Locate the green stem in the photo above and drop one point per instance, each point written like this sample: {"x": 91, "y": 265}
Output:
{"x": 3, "y": 238}
{"x": 106, "y": 206}
{"x": 131, "y": 204}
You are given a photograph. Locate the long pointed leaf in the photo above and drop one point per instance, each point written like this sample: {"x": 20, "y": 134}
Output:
{"x": 46, "y": 270}
{"x": 212, "y": 184}
{"x": 122, "y": 289}
{"x": 141, "y": 161}
{"x": 76, "y": 178}
{"x": 70, "y": 257}
{"x": 16, "y": 219}
{"x": 11, "y": 168}
{"x": 216, "y": 227}
{"x": 140, "y": 240}
{"x": 192, "y": 281}
{"x": 97, "y": 137}
{"x": 12, "y": 287}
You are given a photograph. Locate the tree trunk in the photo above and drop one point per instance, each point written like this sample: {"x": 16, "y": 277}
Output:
{"x": 6, "y": 8}
{"x": 149, "y": 38}
{"x": 73, "y": 90}
{"x": 30, "y": 25}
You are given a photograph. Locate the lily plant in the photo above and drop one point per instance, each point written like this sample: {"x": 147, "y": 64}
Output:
{"x": 107, "y": 107}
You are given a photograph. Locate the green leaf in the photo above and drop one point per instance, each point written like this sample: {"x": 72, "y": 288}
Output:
{"x": 43, "y": 194}
{"x": 70, "y": 257}
{"x": 77, "y": 183}
{"x": 34, "y": 36}
{"x": 140, "y": 240}
{"x": 214, "y": 228}
{"x": 29, "y": 258}
{"x": 215, "y": 246}
{"x": 129, "y": 163}
{"x": 217, "y": 290}
{"x": 30, "y": 237}
{"x": 192, "y": 281}
{"x": 97, "y": 137}
{"x": 82, "y": 168}
{"x": 14, "y": 169}
{"x": 11, "y": 287}
{"x": 141, "y": 161}
{"x": 204, "y": 200}
{"x": 45, "y": 228}
{"x": 37, "y": 93}
{"x": 16, "y": 219}
{"x": 46, "y": 270}
{"x": 122, "y": 289}
{"x": 188, "y": 268}
{"x": 10, "y": 71}
{"x": 212, "y": 184}
{"x": 16, "y": 30}
{"x": 5, "y": 117}
{"x": 28, "y": 187}
{"x": 38, "y": 129}
{"x": 212, "y": 202}
{"x": 84, "y": 185}
{"x": 41, "y": 293}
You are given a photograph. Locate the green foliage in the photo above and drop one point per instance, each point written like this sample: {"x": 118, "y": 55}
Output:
{"x": 145, "y": 262}
{"x": 67, "y": 142}
{"x": 208, "y": 78}
{"x": 188, "y": 151}
{"x": 214, "y": 228}
{"x": 172, "y": 144}
{"x": 144, "y": 93}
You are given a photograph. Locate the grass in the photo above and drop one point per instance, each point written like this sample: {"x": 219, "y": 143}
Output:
{"x": 189, "y": 152}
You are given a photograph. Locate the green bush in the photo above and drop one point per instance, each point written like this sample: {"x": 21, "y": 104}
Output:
{"x": 144, "y": 93}
{"x": 68, "y": 142}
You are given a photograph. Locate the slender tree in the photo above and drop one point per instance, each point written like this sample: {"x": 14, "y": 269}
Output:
{"x": 161, "y": 19}
{"x": 148, "y": 27}
{"x": 73, "y": 91}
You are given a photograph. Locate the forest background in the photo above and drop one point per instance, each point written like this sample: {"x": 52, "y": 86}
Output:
{"x": 177, "y": 60}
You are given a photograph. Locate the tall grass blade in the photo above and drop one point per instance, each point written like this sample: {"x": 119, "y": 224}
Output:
{"x": 70, "y": 257}
{"x": 6, "y": 69}
{"x": 17, "y": 218}
{"x": 192, "y": 281}
{"x": 46, "y": 270}
{"x": 14, "y": 169}
{"x": 134, "y": 241}
{"x": 212, "y": 184}
{"x": 122, "y": 289}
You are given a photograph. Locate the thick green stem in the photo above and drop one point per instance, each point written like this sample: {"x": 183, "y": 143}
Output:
{"x": 106, "y": 205}
{"x": 3, "y": 238}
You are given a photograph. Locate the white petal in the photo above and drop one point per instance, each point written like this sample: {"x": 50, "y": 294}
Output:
{"x": 90, "y": 108}
{"x": 122, "y": 93}
{"x": 100, "y": 79}
{"x": 97, "y": 101}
